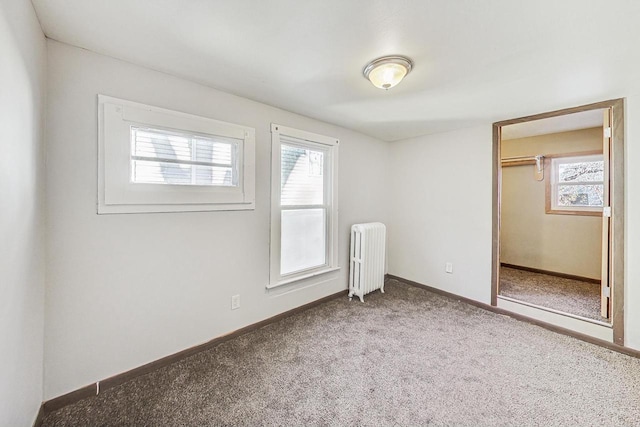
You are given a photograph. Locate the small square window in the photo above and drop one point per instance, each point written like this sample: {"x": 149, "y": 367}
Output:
{"x": 576, "y": 185}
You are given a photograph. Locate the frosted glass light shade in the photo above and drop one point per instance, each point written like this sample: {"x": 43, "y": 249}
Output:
{"x": 388, "y": 71}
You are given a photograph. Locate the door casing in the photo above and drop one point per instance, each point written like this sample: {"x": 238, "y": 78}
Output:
{"x": 616, "y": 237}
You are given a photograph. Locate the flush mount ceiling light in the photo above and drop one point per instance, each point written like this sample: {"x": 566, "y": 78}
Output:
{"x": 388, "y": 71}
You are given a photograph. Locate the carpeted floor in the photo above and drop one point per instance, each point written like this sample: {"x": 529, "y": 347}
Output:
{"x": 406, "y": 357}
{"x": 566, "y": 295}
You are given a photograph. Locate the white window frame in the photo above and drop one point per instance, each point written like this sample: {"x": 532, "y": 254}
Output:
{"x": 554, "y": 184}
{"x": 116, "y": 192}
{"x": 309, "y": 140}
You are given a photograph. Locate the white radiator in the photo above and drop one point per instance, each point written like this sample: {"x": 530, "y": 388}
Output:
{"x": 367, "y": 259}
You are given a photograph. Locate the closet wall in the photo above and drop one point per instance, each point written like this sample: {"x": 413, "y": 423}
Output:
{"x": 530, "y": 237}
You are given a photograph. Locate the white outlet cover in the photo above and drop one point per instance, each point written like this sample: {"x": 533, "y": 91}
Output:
{"x": 448, "y": 268}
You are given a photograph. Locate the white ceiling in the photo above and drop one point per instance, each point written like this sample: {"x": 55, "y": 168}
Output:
{"x": 576, "y": 121}
{"x": 475, "y": 61}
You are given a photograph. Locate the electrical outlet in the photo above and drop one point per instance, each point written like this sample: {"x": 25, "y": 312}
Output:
{"x": 448, "y": 268}
{"x": 235, "y": 302}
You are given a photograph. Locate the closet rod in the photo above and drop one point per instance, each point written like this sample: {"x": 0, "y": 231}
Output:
{"x": 518, "y": 158}
{"x": 537, "y": 160}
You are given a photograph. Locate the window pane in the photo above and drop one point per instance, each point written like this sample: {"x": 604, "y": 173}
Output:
{"x": 581, "y": 171}
{"x": 210, "y": 151}
{"x": 213, "y": 175}
{"x": 181, "y": 159}
{"x": 150, "y": 172}
{"x": 303, "y": 240}
{"x": 580, "y": 195}
{"x": 302, "y": 180}
{"x": 156, "y": 172}
{"x": 148, "y": 143}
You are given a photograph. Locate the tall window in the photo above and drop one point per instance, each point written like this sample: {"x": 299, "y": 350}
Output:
{"x": 304, "y": 208}
{"x": 577, "y": 185}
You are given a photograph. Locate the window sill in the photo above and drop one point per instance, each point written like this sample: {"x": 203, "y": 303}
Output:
{"x": 134, "y": 209}
{"x": 302, "y": 277}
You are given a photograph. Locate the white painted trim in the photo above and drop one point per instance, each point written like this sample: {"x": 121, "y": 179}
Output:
{"x": 298, "y": 278}
{"x": 551, "y": 310}
{"x": 304, "y": 135}
{"x": 588, "y": 328}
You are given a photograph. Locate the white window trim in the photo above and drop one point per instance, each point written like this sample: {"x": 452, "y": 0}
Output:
{"x": 276, "y": 279}
{"x": 116, "y": 194}
{"x": 555, "y": 161}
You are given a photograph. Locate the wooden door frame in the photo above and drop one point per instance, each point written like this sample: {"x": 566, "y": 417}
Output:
{"x": 616, "y": 237}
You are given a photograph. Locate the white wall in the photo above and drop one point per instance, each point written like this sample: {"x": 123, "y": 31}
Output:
{"x": 22, "y": 94}
{"x": 124, "y": 290}
{"x": 441, "y": 211}
{"x": 432, "y": 223}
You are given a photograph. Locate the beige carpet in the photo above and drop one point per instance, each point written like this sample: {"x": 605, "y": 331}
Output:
{"x": 566, "y": 295}
{"x": 406, "y": 357}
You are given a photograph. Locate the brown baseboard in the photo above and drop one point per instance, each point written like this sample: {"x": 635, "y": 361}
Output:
{"x": 583, "y": 337}
{"x": 551, "y": 273}
{"x": 39, "y": 417}
{"x": 93, "y": 389}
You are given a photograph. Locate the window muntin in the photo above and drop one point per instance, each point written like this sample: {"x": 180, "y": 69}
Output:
{"x": 577, "y": 183}
{"x": 304, "y": 205}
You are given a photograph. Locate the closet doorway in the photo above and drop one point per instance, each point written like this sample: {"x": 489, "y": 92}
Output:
{"x": 558, "y": 218}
